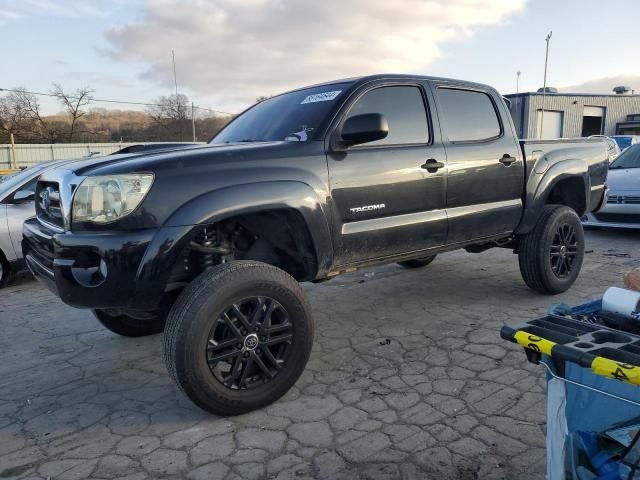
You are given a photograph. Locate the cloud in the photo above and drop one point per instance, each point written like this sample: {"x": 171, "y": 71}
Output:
{"x": 61, "y": 8}
{"x": 605, "y": 84}
{"x": 236, "y": 50}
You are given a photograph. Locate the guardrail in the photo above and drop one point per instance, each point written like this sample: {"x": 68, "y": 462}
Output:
{"x": 26, "y": 155}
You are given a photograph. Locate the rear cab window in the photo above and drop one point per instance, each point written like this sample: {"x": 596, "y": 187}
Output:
{"x": 467, "y": 115}
{"x": 404, "y": 109}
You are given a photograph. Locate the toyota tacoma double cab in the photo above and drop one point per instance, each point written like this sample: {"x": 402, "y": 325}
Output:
{"x": 209, "y": 243}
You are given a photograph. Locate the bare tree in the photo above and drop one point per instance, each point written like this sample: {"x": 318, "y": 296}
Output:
{"x": 73, "y": 104}
{"x": 20, "y": 115}
{"x": 172, "y": 113}
{"x": 14, "y": 114}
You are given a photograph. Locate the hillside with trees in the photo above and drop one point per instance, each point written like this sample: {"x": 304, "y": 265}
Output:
{"x": 80, "y": 120}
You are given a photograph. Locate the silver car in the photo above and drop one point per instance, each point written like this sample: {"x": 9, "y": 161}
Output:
{"x": 622, "y": 201}
{"x": 17, "y": 194}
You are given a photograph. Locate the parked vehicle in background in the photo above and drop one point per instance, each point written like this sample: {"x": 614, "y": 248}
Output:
{"x": 304, "y": 186}
{"x": 625, "y": 141}
{"x": 621, "y": 208}
{"x": 613, "y": 147}
{"x": 17, "y": 193}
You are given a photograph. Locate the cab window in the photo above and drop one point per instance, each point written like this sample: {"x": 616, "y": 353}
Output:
{"x": 404, "y": 109}
{"x": 467, "y": 115}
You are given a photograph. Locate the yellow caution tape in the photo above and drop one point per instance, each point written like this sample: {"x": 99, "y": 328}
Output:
{"x": 533, "y": 342}
{"x": 616, "y": 370}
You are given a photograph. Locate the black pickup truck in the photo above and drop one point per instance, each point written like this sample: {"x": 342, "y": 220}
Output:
{"x": 212, "y": 240}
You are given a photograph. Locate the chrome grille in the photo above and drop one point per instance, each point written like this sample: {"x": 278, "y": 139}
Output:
{"x": 48, "y": 203}
{"x": 624, "y": 199}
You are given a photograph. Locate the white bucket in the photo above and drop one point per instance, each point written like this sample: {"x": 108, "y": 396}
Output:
{"x": 622, "y": 301}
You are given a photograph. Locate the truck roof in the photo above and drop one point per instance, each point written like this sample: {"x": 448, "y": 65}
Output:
{"x": 357, "y": 81}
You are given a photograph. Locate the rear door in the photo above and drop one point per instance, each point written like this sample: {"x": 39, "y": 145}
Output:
{"x": 485, "y": 167}
{"x": 385, "y": 200}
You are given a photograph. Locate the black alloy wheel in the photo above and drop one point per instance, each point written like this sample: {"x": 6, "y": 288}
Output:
{"x": 564, "y": 249}
{"x": 249, "y": 342}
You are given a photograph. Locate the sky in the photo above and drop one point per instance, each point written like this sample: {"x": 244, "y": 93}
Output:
{"x": 229, "y": 52}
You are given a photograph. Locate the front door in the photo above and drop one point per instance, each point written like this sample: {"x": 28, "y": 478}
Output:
{"x": 385, "y": 199}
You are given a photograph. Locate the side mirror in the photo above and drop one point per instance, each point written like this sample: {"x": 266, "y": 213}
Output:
{"x": 364, "y": 128}
{"x": 22, "y": 196}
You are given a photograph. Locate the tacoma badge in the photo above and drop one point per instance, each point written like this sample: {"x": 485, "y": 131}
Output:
{"x": 368, "y": 208}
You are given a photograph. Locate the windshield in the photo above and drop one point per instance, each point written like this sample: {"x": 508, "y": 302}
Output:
{"x": 14, "y": 180}
{"x": 623, "y": 142}
{"x": 630, "y": 158}
{"x": 292, "y": 116}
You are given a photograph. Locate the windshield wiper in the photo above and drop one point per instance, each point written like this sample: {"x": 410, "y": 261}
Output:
{"x": 244, "y": 140}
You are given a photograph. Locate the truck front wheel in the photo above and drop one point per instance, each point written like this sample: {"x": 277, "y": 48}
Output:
{"x": 238, "y": 337}
{"x": 551, "y": 255}
{"x": 129, "y": 326}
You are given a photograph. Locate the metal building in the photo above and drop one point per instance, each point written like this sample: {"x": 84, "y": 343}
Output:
{"x": 571, "y": 115}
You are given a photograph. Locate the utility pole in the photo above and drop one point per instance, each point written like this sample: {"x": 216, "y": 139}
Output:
{"x": 193, "y": 121}
{"x": 175, "y": 78}
{"x": 544, "y": 85}
{"x": 517, "y": 114}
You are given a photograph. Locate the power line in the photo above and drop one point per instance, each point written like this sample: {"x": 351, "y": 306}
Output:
{"x": 103, "y": 100}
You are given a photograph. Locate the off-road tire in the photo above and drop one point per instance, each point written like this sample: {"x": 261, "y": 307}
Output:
{"x": 5, "y": 270}
{"x": 195, "y": 316}
{"x": 417, "y": 262}
{"x": 535, "y": 250}
{"x": 131, "y": 327}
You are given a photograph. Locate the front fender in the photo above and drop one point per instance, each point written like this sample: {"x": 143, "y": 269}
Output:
{"x": 224, "y": 203}
{"x": 540, "y": 185}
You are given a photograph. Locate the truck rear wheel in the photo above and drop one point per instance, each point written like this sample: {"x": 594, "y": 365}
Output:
{"x": 129, "y": 326}
{"x": 551, "y": 255}
{"x": 238, "y": 337}
{"x": 417, "y": 262}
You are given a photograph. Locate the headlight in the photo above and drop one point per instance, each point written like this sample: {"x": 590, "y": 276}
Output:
{"x": 104, "y": 199}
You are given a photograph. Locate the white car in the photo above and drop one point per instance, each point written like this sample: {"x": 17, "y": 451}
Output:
{"x": 621, "y": 207}
{"x": 17, "y": 194}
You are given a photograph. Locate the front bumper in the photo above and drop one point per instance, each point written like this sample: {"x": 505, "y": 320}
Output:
{"x": 614, "y": 215}
{"x": 91, "y": 270}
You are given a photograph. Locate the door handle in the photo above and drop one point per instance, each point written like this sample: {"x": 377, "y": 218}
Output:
{"x": 432, "y": 165}
{"x": 507, "y": 159}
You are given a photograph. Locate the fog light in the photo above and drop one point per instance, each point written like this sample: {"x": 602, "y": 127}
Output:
{"x": 90, "y": 271}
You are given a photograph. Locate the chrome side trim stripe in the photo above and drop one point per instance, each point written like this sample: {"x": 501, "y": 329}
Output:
{"x": 393, "y": 222}
{"x": 425, "y": 217}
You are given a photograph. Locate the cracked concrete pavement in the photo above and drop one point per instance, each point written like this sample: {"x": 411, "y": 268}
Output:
{"x": 408, "y": 379}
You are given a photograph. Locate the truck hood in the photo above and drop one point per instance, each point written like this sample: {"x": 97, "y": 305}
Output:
{"x": 147, "y": 160}
{"x": 624, "y": 180}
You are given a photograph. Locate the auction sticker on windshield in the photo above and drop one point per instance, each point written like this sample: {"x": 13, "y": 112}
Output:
{"x": 321, "y": 97}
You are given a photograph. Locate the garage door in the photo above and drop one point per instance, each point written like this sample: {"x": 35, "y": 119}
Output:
{"x": 551, "y": 125}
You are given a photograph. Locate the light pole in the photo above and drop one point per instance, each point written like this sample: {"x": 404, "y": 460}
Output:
{"x": 193, "y": 121}
{"x": 544, "y": 85}
{"x": 175, "y": 78}
{"x": 517, "y": 114}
